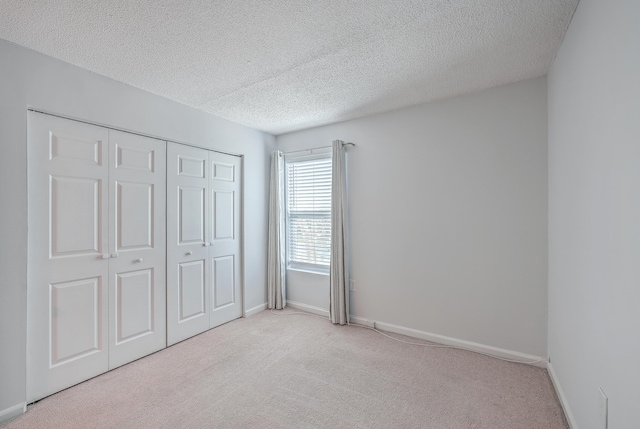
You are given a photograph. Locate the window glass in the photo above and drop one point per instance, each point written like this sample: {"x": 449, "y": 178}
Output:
{"x": 309, "y": 213}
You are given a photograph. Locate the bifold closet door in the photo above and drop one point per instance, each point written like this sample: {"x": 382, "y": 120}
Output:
{"x": 68, "y": 278}
{"x": 96, "y": 286}
{"x": 225, "y": 189}
{"x": 137, "y": 287}
{"x": 203, "y": 240}
{"x": 188, "y": 268}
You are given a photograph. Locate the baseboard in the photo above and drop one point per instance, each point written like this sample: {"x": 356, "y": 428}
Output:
{"x": 255, "y": 310}
{"x": 561, "y": 397}
{"x": 355, "y": 320}
{"x": 435, "y": 338}
{"x": 12, "y": 412}
{"x": 463, "y": 344}
{"x": 308, "y": 308}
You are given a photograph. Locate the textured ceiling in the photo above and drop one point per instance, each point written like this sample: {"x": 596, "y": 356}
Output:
{"x": 280, "y": 65}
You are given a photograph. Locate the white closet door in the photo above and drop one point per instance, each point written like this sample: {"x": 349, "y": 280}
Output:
{"x": 67, "y": 330}
{"x": 137, "y": 296}
{"x": 225, "y": 196}
{"x": 188, "y": 267}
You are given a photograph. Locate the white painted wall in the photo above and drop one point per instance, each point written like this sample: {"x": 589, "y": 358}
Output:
{"x": 31, "y": 79}
{"x": 448, "y": 217}
{"x": 308, "y": 288}
{"x": 594, "y": 213}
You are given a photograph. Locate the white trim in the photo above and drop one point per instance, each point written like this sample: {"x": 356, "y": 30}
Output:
{"x": 308, "y": 308}
{"x": 435, "y": 338}
{"x": 12, "y": 412}
{"x": 243, "y": 286}
{"x": 308, "y": 269}
{"x": 308, "y": 154}
{"x": 124, "y": 130}
{"x": 355, "y": 320}
{"x": 561, "y": 397}
{"x": 467, "y": 345}
{"x": 255, "y": 310}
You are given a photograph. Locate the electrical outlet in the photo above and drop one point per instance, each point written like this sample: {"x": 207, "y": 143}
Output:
{"x": 352, "y": 285}
{"x": 603, "y": 409}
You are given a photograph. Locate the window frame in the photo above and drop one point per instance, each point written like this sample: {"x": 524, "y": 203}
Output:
{"x": 292, "y": 159}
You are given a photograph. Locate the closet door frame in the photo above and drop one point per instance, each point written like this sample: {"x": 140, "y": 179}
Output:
{"x": 34, "y": 242}
{"x": 47, "y": 372}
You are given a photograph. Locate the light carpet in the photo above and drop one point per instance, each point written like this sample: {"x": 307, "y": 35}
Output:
{"x": 294, "y": 371}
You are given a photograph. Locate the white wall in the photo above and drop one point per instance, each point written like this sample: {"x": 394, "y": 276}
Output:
{"x": 448, "y": 217}
{"x": 31, "y": 79}
{"x": 594, "y": 212}
{"x": 310, "y": 289}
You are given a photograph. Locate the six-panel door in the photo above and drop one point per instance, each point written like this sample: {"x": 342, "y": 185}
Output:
{"x": 225, "y": 188}
{"x": 137, "y": 298}
{"x": 188, "y": 268}
{"x": 68, "y": 279}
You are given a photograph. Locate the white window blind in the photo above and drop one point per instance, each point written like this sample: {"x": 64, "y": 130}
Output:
{"x": 309, "y": 213}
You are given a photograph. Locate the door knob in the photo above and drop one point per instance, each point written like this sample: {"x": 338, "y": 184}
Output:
{"x": 205, "y": 244}
{"x": 189, "y": 253}
{"x": 139, "y": 260}
{"x": 114, "y": 255}
{"x": 105, "y": 256}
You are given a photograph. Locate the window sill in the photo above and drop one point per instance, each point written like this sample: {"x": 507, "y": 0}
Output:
{"x": 309, "y": 270}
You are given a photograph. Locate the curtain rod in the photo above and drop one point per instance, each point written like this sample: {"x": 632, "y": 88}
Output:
{"x": 316, "y": 148}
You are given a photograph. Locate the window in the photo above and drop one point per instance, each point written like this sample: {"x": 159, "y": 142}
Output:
{"x": 308, "y": 219}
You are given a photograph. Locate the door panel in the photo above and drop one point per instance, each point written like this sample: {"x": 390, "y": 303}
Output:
{"x": 67, "y": 293}
{"x": 135, "y": 158}
{"x": 223, "y": 171}
{"x": 225, "y": 189}
{"x": 137, "y": 310}
{"x": 75, "y": 206}
{"x": 75, "y": 319}
{"x": 191, "y": 215}
{"x": 192, "y": 290}
{"x": 188, "y": 268}
{"x": 74, "y": 148}
{"x": 223, "y": 215}
{"x": 135, "y": 216}
{"x": 223, "y": 281}
{"x": 134, "y": 305}
{"x": 191, "y": 166}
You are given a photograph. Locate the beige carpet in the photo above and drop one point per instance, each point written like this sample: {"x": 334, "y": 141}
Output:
{"x": 296, "y": 371}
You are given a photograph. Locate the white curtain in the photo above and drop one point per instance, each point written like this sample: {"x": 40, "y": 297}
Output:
{"x": 276, "y": 257}
{"x": 339, "y": 269}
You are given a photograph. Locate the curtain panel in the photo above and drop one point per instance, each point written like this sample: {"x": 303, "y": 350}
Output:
{"x": 276, "y": 273}
{"x": 339, "y": 268}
